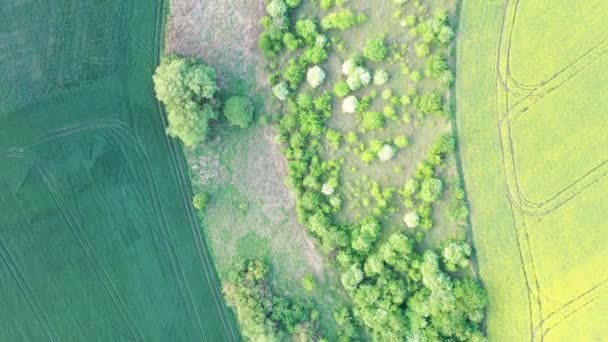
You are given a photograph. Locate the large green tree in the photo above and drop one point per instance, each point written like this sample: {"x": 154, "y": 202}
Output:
{"x": 187, "y": 88}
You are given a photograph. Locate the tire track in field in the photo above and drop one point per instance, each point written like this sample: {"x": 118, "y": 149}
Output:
{"x": 120, "y": 133}
{"x": 62, "y": 203}
{"x": 168, "y": 239}
{"x": 517, "y": 200}
{"x": 503, "y": 68}
{"x": 33, "y": 302}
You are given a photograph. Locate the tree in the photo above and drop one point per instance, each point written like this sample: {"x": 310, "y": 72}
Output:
{"x": 239, "y": 111}
{"x": 187, "y": 88}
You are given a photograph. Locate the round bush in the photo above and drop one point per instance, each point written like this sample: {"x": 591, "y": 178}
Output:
{"x": 239, "y": 111}
{"x": 281, "y": 91}
{"x": 276, "y": 8}
{"x": 348, "y": 67}
{"x": 315, "y": 76}
{"x": 386, "y": 153}
{"x": 380, "y": 77}
{"x": 350, "y": 104}
{"x": 411, "y": 219}
{"x": 327, "y": 189}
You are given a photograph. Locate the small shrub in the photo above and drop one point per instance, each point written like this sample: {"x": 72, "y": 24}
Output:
{"x": 341, "y": 89}
{"x": 401, "y": 141}
{"x": 349, "y": 105}
{"x": 431, "y": 189}
{"x": 200, "y": 200}
{"x": 239, "y": 111}
{"x": 315, "y": 76}
{"x": 380, "y": 77}
{"x": 281, "y": 91}
{"x": 309, "y": 283}
{"x": 342, "y": 20}
{"x": 375, "y": 50}
{"x": 372, "y": 120}
{"x": 386, "y": 153}
{"x": 411, "y": 219}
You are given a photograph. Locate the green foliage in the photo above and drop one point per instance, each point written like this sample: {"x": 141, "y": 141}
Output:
{"x": 291, "y": 42}
{"x": 371, "y": 120}
{"x": 199, "y": 201}
{"x": 326, "y": 4}
{"x": 239, "y": 111}
{"x": 380, "y": 77}
{"x": 341, "y": 89}
{"x": 263, "y": 315}
{"x": 342, "y": 20}
{"x": 456, "y": 255}
{"x": 401, "y": 141}
{"x": 309, "y": 283}
{"x": 307, "y": 30}
{"x": 333, "y": 138}
{"x": 187, "y": 88}
{"x": 430, "y": 103}
{"x": 422, "y": 49}
{"x": 375, "y": 49}
{"x": 431, "y": 189}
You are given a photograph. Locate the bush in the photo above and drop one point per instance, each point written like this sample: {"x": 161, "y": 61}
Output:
{"x": 281, "y": 91}
{"x": 326, "y": 4}
{"x": 293, "y": 3}
{"x": 307, "y": 29}
{"x": 411, "y": 219}
{"x": 401, "y": 141}
{"x": 431, "y": 189}
{"x": 380, "y": 77}
{"x": 309, "y": 283}
{"x": 341, "y": 89}
{"x": 315, "y": 76}
{"x": 349, "y": 105}
{"x": 239, "y": 111}
{"x": 422, "y": 50}
{"x": 342, "y": 20}
{"x": 386, "y": 153}
{"x": 291, "y": 42}
{"x": 372, "y": 120}
{"x": 276, "y": 8}
{"x": 430, "y": 103}
{"x": 358, "y": 78}
{"x": 456, "y": 255}
{"x": 375, "y": 50}
{"x": 199, "y": 201}
{"x": 187, "y": 88}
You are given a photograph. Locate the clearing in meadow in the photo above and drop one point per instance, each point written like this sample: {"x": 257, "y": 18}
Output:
{"x": 531, "y": 121}
{"x": 98, "y": 239}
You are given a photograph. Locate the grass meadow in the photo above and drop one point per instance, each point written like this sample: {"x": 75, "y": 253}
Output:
{"x": 98, "y": 239}
{"x": 530, "y": 137}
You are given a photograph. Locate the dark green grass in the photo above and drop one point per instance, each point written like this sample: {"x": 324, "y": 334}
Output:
{"x": 98, "y": 240}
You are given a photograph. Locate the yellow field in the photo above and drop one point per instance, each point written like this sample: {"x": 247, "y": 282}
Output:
{"x": 532, "y": 119}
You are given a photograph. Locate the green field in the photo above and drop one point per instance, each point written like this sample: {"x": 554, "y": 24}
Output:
{"x": 531, "y": 122}
{"x": 98, "y": 240}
